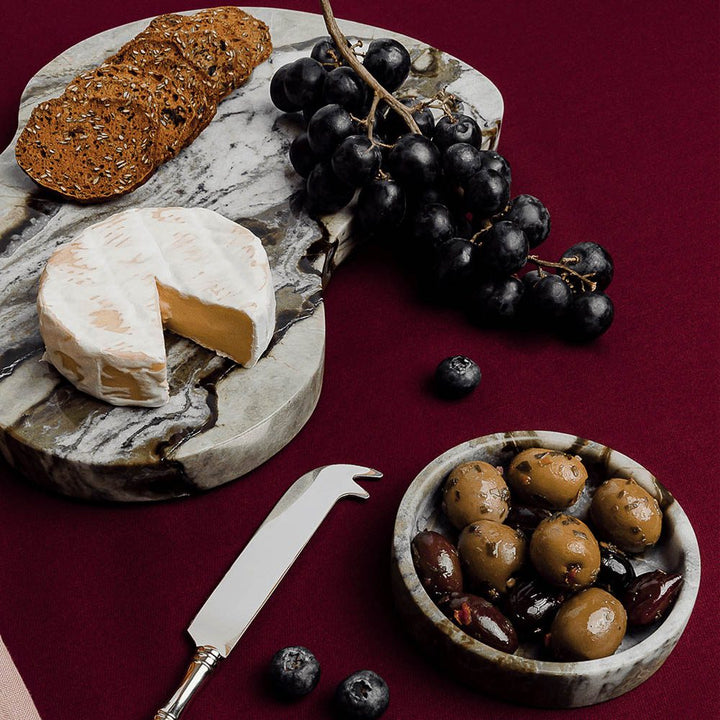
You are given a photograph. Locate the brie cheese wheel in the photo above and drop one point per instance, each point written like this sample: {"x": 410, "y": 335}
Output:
{"x": 106, "y": 296}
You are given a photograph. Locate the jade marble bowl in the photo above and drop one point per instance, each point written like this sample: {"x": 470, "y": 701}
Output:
{"x": 522, "y": 677}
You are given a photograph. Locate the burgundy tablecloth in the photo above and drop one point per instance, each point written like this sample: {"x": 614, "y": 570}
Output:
{"x": 611, "y": 117}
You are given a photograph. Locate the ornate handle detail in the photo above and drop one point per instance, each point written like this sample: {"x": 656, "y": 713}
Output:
{"x": 204, "y": 662}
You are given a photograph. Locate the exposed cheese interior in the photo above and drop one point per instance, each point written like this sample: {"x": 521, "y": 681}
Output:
{"x": 105, "y": 297}
{"x": 208, "y": 324}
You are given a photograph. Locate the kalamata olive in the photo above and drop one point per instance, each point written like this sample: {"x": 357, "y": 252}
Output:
{"x": 437, "y": 564}
{"x": 626, "y": 514}
{"x": 650, "y": 596}
{"x": 548, "y": 478}
{"x": 490, "y": 553}
{"x": 483, "y": 621}
{"x": 531, "y": 605}
{"x": 526, "y": 517}
{"x": 589, "y": 625}
{"x": 565, "y": 552}
{"x": 475, "y": 490}
{"x": 616, "y": 570}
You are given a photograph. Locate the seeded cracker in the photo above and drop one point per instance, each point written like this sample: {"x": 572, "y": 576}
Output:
{"x": 165, "y": 57}
{"x": 114, "y": 125}
{"x": 88, "y": 150}
{"x": 122, "y": 83}
{"x": 202, "y": 47}
{"x": 248, "y": 36}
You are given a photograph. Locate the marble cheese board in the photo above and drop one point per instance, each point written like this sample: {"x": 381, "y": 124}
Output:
{"x": 222, "y": 421}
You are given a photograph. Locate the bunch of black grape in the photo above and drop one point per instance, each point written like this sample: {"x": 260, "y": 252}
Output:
{"x": 446, "y": 202}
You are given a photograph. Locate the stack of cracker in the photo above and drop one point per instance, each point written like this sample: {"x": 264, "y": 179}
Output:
{"x": 114, "y": 125}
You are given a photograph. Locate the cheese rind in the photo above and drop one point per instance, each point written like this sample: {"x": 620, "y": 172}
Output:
{"x": 105, "y": 297}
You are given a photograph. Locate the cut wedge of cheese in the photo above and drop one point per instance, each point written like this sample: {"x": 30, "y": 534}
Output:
{"x": 106, "y": 296}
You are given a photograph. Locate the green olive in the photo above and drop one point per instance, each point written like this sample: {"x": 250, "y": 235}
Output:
{"x": 490, "y": 554}
{"x": 565, "y": 552}
{"x": 626, "y": 514}
{"x": 588, "y": 626}
{"x": 475, "y": 491}
{"x": 547, "y": 478}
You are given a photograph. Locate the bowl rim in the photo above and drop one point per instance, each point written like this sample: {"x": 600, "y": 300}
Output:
{"x": 667, "y": 633}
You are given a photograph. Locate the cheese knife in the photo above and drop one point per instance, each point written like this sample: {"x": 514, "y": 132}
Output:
{"x": 258, "y": 570}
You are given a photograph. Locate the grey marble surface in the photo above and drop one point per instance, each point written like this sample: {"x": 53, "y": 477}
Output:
{"x": 222, "y": 420}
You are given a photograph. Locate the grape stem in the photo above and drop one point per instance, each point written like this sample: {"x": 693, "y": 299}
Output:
{"x": 380, "y": 92}
{"x": 584, "y": 279}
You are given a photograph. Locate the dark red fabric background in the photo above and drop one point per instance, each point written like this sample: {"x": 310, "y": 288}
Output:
{"x": 612, "y": 119}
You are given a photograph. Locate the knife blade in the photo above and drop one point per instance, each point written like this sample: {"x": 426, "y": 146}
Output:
{"x": 258, "y": 570}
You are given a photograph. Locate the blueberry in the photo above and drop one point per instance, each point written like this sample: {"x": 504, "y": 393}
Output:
{"x": 364, "y": 695}
{"x": 294, "y": 672}
{"x": 456, "y": 377}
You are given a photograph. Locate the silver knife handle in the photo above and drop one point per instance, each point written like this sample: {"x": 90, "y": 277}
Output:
{"x": 204, "y": 662}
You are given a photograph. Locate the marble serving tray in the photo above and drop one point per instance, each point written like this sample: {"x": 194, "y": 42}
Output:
{"x": 222, "y": 420}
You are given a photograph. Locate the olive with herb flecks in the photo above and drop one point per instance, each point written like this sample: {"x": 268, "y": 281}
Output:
{"x": 547, "y": 478}
{"x": 437, "y": 564}
{"x": 565, "y": 552}
{"x": 626, "y": 514}
{"x": 475, "y": 490}
{"x": 491, "y": 553}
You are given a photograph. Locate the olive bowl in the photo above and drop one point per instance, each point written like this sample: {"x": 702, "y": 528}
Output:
{"x": 525, "y": 677}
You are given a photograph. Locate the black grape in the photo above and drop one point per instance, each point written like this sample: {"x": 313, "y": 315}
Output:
{"x": 303, "y": 82}
{"x": 328, "y": 127}
{"x": 456, "y": 129}
{"x": 380, "y": 206}
{"x": 325, "y": 192}
{"x": 503, "y": 249}
{"x": 388, "y": 62}
{"x": 356, "y": 160}
{"x": 415, "y": 161}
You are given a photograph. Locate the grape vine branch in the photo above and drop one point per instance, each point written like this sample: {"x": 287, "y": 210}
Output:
{"x": 380, "y": 92}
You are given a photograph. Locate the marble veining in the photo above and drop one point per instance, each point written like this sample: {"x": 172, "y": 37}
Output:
{"x": 222, "y": 420}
